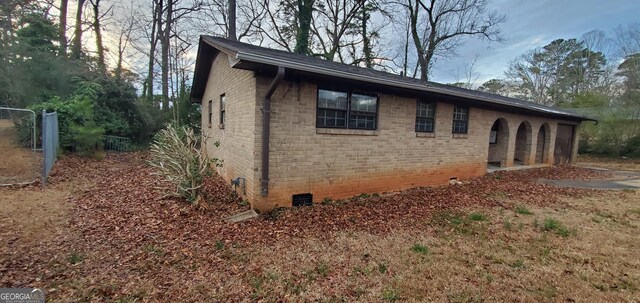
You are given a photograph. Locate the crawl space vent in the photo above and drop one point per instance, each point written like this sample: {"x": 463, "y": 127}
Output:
{"x": 302, "y": 200}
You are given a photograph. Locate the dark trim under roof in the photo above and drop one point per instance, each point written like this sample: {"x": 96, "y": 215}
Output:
{"x": 253, "y": 57}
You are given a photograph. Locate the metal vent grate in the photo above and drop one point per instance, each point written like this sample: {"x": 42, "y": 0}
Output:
{"x": 302, "y": 200}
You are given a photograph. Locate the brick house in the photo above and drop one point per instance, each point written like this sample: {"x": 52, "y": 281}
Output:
{"x": 335, "y": 131}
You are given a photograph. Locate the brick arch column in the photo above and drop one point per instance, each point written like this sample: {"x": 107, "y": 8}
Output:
{"x": 542, "y": 144}
{"x": 523, "y": 143}
{"x": 499, "y": 151}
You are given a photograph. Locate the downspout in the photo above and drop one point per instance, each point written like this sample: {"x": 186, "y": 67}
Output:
{"x": 266, "y": 119}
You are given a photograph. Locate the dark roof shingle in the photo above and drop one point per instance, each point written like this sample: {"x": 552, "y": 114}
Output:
{"x": 267, "y": 56}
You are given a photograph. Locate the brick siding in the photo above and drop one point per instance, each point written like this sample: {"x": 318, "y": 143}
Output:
{"x": 339, "y": 163}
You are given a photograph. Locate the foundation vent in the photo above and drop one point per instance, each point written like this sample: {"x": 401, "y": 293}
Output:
{"x": 302, "y": 200}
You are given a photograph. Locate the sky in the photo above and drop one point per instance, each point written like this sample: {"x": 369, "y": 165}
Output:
{"x": 531, "y": 24}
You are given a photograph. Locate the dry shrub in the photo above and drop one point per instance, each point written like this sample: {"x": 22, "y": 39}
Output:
{"x": 182, "y": 160}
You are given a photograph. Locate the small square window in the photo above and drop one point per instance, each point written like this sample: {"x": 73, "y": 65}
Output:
{"x": 460, "y": 120}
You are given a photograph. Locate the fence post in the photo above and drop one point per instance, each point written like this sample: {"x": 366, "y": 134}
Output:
{"x": 44, "y": 149}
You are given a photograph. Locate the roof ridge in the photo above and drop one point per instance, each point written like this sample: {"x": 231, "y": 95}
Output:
{"x": 250, "y": 49}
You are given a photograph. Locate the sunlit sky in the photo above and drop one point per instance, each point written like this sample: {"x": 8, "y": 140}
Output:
{"x": 533, "y": 24}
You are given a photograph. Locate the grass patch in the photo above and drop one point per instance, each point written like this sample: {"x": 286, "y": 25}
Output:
{"x": 547, "y": 292}
{"x": 523, "y": 210}
{"x": 390, "y": 295}
{"x": 560, "y": 229}
{"x": 420, "y": 249}
{"x": 75, "y": 258}
{"x": 459, "y": 223}
{"x": 518, "y": 264}
{"x": 382, "y": 268}
{"x": 477, "y": 217}
{"x": 219, "y": 245}
{"x": 321, "y": 270}
{"x": 507, "y": 224}
{"x": 629, "y": 190}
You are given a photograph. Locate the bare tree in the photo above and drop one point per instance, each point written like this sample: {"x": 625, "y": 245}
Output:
{"x": 446, "y": 22}
{"x": 97, "y": 28}
{"x": 77, "y": 38}
{"x": 628, "y": 39}
{"x": 62, "y": 30}
{"x": 282, "y": 23}
{"x": 126, "y": 28}
{"x": 469, "y": 75}
{"x": 175, "y": 11}
{"x": 214, "y": 17}
{"x": 335, "y": 19}
{"x": 153, "y": 37}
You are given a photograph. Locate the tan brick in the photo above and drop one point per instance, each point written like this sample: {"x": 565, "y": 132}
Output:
{"x": 305, "y": 160}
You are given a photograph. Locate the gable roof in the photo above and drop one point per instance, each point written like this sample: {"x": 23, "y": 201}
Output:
{"x": 253, "y": 57}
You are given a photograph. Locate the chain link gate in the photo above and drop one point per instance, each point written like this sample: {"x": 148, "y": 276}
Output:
{"x": 50, "y": 141}
{"x": 20, "y": 160}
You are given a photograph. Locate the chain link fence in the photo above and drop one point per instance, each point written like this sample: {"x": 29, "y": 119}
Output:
{"x": 20, "y": 160}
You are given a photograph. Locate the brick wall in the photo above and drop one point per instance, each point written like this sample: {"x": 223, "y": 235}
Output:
{"x": 237, "y": 138}
{"x": 339, "y": 163}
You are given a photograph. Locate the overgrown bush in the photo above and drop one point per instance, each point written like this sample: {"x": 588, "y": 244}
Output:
{"x": 88, "y": 139}
{"x": 180, "y": 157}
{"x": 632, "y": 147}
{"x": 76, "y": 125}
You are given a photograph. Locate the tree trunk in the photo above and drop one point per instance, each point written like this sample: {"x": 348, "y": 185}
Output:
{"x": 77, "y": 39}
{"x": 366, "y": 42}
{"x": 405, "y": 59}
{"x": 62, "y": 30}
{"x": 120, "y": 59}
{"x": 155, "y": 26}
{"x": 165, "y": 43}
{"x": 305, "y": 13}
{"x": 232, "y": 20}
{"x": 96, "y": 27}
{"x": 413, "y": 19}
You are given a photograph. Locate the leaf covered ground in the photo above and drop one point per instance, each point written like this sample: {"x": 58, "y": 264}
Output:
{"x": 115, "y": 238}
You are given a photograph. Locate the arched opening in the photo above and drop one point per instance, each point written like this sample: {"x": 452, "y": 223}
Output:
{"x": 522, "y": 153}
{"x": 498, "y": 143}
{"x": 542, "y": 145}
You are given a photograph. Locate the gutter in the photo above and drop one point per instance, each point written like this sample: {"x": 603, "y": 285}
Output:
{"x": 266, "y": 129}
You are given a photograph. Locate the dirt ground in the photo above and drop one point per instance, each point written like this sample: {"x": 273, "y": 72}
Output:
{"x": 110, "y": 236}
{"x": 17, "y": 164}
